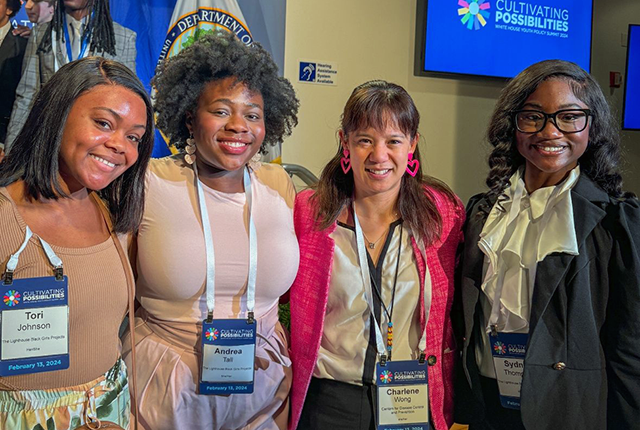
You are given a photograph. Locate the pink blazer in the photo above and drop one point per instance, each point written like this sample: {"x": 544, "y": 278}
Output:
{"x": 310, "y": 291}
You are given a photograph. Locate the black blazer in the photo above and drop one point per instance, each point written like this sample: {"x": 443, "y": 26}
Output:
{"x": 11, "y": 54}
{"x": 585, "y": 314}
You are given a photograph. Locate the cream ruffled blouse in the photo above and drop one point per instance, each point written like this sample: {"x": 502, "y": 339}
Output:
{"x": 514, "y": 240}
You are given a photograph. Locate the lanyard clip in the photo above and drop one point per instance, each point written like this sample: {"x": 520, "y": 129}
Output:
{"x": 250, "y": 318}
{"x": 7, "y": 277}
{"x": 494, "y": 330}
{"x": 422, "y": 358}
{"x": 209, "y": 317}
{"x": 383, "y": 360}
{"x": 57, "y": 271}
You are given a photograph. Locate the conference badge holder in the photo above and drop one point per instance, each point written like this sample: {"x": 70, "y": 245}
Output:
{"x": 508, "y": 351}
{"x": 228, "y": 345}
{"x": 228, "y": 355}
{"x": 403, "y": 397}
{"x": 34, "y": 319}
{"x": 402, "y": 394}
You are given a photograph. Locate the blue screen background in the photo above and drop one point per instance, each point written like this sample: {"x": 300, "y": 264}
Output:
{"x": 451, "y": 47}
{"x": 632, "y": 93}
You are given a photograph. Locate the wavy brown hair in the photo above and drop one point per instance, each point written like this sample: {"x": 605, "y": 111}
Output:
{"x": 372, "y": 104}
{"x": 600, "y": 162}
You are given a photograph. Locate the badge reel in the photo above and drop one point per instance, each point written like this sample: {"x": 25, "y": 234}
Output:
{"x": 402, "y": 385}
{"x": 228, "y": 345}
{"x": 34, "y": 318}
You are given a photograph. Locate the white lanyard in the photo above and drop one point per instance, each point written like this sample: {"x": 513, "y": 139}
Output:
{"x": 210, "y": 254}
{"x": 55, "y": 261}
{"x": 366, "y": 279}
{"x": 514, "y": 211}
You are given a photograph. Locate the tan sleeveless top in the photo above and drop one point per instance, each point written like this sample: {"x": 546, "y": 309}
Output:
{"x": 97, "y": 301}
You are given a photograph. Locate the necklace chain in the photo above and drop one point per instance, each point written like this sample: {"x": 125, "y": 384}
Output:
{"x": 373, "y": 244}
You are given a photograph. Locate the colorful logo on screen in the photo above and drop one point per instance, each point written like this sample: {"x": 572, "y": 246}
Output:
{"x": 500, "y": 348}
{"x": 386, "y": 376}
{"x": 474, "y": 13}
{"x": 11, "y": 298}
{"x": 212, "y": 334}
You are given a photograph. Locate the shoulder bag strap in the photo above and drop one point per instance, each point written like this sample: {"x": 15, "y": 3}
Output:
{"x": 131, "y": 291}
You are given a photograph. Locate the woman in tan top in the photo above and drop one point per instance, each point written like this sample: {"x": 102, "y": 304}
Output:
{"x": 72, "y": 180}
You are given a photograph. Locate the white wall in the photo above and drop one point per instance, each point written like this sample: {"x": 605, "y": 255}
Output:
{"x": 374, "y": 39}
{"x": 612, "y": 19}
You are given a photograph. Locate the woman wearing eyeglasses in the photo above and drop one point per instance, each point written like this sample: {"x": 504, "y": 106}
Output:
{"x": 549, "y": 309}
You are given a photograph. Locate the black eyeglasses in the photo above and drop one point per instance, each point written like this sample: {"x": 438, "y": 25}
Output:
{"x": 565, "y": 120}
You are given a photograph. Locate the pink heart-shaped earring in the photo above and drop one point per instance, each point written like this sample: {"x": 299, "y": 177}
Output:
{"x": 345, "y": 161}
{"x": 412, "y": 165}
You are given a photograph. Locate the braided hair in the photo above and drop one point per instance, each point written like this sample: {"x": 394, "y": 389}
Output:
{"x": 99, "y": 27}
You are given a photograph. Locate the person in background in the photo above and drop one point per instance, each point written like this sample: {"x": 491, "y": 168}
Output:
{"x": 12, "y": 49}
{"x": 73, "y": 180}
{"x": 79, "y": 28}
{"x": 377, "y": 253}
{"x": 222, "y": 103}
{"x": 38, "y": 12}
{"x": 549, "y": 307}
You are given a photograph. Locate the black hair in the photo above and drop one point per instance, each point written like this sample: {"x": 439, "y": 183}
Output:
{"x": 374, "y": 104}
{"x": 14, "y": 5}
{"x": 600, "y": 162}
{"x": 180, "y": 80}
{"x": 35, "y": 153}
{"x": 99, "y": 26}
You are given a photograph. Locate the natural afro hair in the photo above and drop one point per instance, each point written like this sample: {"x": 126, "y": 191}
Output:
{"x": 180, "y": 80}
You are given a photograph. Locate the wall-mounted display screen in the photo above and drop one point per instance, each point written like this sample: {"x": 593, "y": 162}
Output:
{"x": 631, "y": 115}
{"x": 500, "y": 38}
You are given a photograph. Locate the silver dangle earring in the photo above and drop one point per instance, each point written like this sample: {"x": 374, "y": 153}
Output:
{"x": 190, "y": 151}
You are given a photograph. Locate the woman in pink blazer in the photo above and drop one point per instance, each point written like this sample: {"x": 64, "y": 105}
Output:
{"x": 375, "y": 285}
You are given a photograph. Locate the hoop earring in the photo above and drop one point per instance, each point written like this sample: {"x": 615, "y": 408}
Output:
{"x": 190, "y": 151}
{"x": 345, "y": 161}
{"x": 412, "y": 165}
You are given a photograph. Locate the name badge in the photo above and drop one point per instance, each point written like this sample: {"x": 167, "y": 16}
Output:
{"x": 228, "y": 356}
{"x": 34, "y": 326}
{"x": 403, "y": 400}
{"x": 508, "y": 350}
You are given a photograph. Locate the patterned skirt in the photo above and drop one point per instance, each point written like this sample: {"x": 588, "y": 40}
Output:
{"x": 105, "y": 398}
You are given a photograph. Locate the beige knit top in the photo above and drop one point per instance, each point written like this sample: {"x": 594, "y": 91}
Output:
{"x": 97, "y": 301}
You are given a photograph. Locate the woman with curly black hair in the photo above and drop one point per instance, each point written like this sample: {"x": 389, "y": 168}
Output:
{"x": 549, "y": 309}
{"x": 216, "y": 247}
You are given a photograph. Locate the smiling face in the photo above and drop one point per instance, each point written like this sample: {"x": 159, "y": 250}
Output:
{"x": 228, "y": 127}
{"x": 378, "y": 158}
{"x": 550, "y": 154}
{"x": 100, "y": 138}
